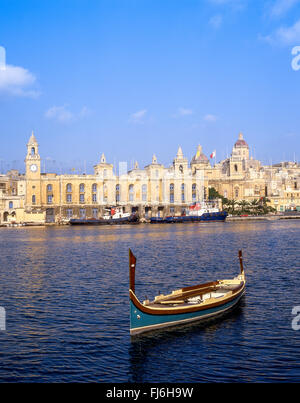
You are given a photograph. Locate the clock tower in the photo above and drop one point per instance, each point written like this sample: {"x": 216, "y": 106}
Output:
{"x": 33, "y": 173}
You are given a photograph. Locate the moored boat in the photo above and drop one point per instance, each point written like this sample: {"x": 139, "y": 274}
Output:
{"x": 187, "y": 304}
{"x": 197, "y": 212}
{"x": 114, "y": 215}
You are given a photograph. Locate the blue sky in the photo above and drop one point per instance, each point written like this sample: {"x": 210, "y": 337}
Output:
{"x": 135, "y": 77}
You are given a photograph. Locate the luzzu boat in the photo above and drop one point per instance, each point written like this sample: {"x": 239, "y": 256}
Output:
{"x": 184, "y": 305}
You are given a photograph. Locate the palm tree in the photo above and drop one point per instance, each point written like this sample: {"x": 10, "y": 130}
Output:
{"x": 243, "y": 204}
{"x": 231, "y": 204}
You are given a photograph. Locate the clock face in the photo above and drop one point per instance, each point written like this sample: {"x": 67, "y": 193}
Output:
{"x": 33, "y": 168}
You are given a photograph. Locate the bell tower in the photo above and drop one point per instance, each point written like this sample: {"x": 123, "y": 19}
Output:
{"x": 33, "y": 160}
{"x": 33, "y": 173}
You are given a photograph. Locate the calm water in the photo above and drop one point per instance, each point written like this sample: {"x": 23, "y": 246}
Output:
{"x": 65, "y": 291}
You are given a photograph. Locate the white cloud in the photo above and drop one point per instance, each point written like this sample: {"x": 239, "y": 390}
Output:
{"x": 216, "y": 21}
{"x": 184, "y": 111}
{"x": 210, "y": 118}
{"x": 281, "y": 7}
{"x": 17, "y": 81}
{"x": 59, "y": 113}
{"x": 285, "y": 35}
{"x": 137, "y": 117}
{"x": 63, "y": 114}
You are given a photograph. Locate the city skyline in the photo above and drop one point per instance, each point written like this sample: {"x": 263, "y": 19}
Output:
{"x": 134, "y": 79}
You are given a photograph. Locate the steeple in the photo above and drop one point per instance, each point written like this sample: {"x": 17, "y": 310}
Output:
{"x": 154, "y": 159}
{"x": 32, "y": 139}
{"x": 179, "y": 153}
{"x": 32, "y": 147}
{"x": 103, "y": 159}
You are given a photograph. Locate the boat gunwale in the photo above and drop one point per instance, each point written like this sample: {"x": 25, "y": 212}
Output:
{"x": 185, "y": 309}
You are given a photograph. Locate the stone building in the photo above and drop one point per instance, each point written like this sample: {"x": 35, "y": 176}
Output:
{"x": 155, "y": 190}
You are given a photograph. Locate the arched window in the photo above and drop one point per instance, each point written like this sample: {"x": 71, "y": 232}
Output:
{"x": 69, "y": 188}
{"x": 32, "y": 151}
{"x": 49, "y": 188}
{"x": 131, "y": 192}
{"x": 235, "y": 167}
{"x": 81, "y": 188}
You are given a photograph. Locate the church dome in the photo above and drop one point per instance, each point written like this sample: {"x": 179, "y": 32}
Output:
{"x": 241, "y": 142}
{"x": 199, "y": 158}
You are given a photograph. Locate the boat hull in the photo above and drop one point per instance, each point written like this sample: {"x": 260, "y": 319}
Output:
{"x": 141, "y": 321}
{"x": 218, "y": 216}
{"x": 111, "y": 221}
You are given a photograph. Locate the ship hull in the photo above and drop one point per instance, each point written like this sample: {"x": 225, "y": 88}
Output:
{"x": 111, "y": 221}
{"x": 218, "y": 216}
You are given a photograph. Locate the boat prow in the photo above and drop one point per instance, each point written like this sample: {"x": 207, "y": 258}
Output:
{"x": 184, "y": 305}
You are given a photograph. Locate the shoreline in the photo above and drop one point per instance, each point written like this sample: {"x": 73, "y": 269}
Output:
{"x": 230, "y": 219}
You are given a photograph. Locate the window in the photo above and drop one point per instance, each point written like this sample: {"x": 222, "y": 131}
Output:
{"x": 69, "y": 198}
{"x": 81, "y": 198}
{"x": 172, "y": 193}
{"x": 105, "y": 193}
{"x": 49, "y": 188}
{"x": 69, "y": 188}
{"x": 32, "y": 151}
{"x": 11, "y": 204}
{"x": 144, "y": 193}
{"x": 94, "y": 188}
{"x": 194, "y": 192}
{"x": 182, "y": 193}
{"x": 82, "y": 213}
{"x": 95, "y": 213}
{"x": 172, "y": 210}
{"x": 235, "y": 167}
{"x": 33, "y": 199}
{"x": 81, "y": 188}
{"x": 49, "y": 199}
{"x": 104, "y": 173}
{"x": 117, "y": 193}
{"x": 69, "y": 213}
{"x": 94, "y": 197}
{"x": 131, "y": 194}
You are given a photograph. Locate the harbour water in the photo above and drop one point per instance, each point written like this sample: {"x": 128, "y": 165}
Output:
{"x": 65, "y": 293}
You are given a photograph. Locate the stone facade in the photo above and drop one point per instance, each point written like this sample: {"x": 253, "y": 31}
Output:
{"x": 155, "y": 190}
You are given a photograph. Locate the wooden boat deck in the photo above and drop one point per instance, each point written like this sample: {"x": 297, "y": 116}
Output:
{"x": 197, "y": 295}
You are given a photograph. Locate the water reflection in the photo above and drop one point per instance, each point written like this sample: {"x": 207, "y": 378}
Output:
{"x": 156, "y": 343}
{"x": 65, "y": 290}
